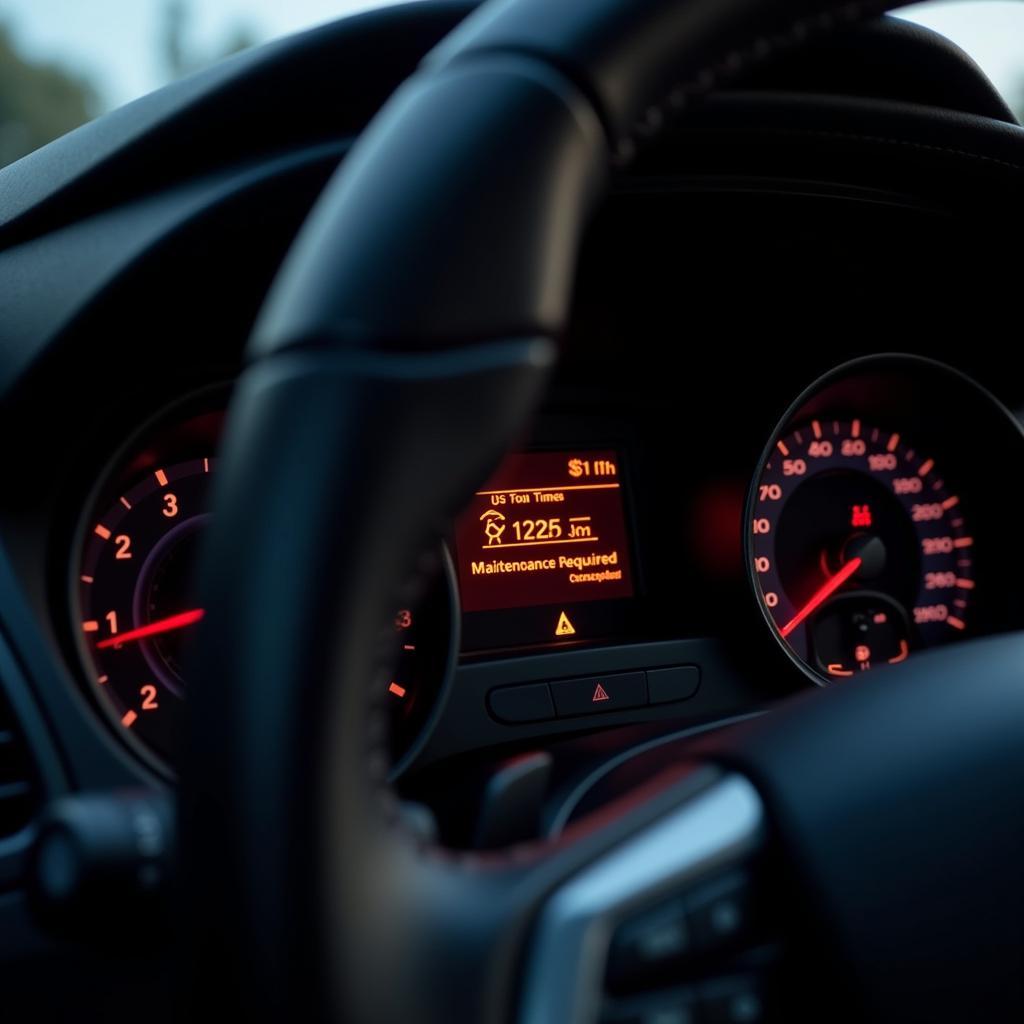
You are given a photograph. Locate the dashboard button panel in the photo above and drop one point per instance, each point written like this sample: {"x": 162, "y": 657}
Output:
{"x": 591, "y": 695}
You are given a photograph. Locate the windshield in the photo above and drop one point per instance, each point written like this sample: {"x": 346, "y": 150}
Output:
{"x": 63, "y": 62}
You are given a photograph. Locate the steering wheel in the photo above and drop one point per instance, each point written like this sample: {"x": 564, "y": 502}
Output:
{"x": 403, "y": 346}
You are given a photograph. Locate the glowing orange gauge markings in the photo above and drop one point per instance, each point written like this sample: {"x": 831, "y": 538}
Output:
{"x": 856, "y": 546}
{"x": 137, "y": 612}
{"x": 902, "y": 656}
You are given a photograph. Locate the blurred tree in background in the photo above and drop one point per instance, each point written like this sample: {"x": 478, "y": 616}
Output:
{"x": 41, "y": 100}
{"x": 38, "y": 101}
{"x": 180, "y": 55}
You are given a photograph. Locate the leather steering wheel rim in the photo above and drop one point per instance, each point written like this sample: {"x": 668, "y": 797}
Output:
{"x": 403, "y": 347}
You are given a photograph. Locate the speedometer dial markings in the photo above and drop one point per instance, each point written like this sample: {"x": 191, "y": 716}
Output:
{"x": 856, "y": 562}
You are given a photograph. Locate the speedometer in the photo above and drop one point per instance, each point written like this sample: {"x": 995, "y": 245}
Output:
{"x": 860, "y": 547}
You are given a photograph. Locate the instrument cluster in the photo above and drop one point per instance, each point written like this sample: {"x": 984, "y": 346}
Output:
{"x": 876, "y": 525}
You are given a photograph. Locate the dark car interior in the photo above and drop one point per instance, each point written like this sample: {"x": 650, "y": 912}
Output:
{"x": 509, "y": 516}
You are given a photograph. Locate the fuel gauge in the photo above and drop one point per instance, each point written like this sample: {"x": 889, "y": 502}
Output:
{"x": 855, "y": 632}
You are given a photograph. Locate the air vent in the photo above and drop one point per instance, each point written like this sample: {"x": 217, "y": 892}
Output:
{"x": 17, "y": 781}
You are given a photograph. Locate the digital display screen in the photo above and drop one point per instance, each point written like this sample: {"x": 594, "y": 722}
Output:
{"x": 549, "y": 528}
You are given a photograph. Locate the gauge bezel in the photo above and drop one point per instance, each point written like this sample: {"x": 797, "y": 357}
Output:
{"x": 208, "y": 400}
{"x": 891, "y": 363}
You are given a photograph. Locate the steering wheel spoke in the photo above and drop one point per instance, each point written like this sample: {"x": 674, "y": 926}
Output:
{"x": 650, "y": 908}
{"x": 661, "y": 922}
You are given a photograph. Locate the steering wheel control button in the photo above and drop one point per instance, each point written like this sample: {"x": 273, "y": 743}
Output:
{"x": 597, "y": 694}
{"x": 722, "y": 913}
{"x": 668, "y": 685}
{"x": 517, "y": 704}
{"x": 733, "y": 1001}
{"x": 674, "y": 1007}
{"x": 646, "y": 948}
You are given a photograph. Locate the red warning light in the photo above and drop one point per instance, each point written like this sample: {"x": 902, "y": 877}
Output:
{"x": 860, "y": 515}
{"x": 600, "y": 693}
{"x": 862, "y": 653}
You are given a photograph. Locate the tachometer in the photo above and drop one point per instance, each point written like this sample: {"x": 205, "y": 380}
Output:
{"x": 137, "y": 608}
{"x": 860, "y": 548}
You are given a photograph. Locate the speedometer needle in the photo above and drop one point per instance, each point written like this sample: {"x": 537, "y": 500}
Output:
{"x": 823, "y": 594}
{"x": 179, "y": 621}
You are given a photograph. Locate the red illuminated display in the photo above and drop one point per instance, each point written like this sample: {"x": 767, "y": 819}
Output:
{"x": 547, "y": 528}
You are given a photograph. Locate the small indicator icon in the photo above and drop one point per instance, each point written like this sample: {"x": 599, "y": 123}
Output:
{"x": 600, "y": 694}
{"x": 494, "y": 526}
{"x": 860, "y": 515}
{"x": 398, "y": 691}
{"x": 564, "y": 627}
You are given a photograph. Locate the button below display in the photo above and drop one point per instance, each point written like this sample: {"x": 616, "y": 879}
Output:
{"x": 531, "y": 703}
{"x": 671, "y": 684}
{"x": 597, "y": 694}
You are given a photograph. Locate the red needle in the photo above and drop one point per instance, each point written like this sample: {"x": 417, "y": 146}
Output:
{"x": 822, "y": 595}
{"x": 179, "y": 621}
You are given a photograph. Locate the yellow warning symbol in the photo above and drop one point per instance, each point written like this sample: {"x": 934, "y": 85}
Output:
{"x": 564, "y": 627}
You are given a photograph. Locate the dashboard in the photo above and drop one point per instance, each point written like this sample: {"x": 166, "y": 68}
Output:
{"x": 780, "y": 450}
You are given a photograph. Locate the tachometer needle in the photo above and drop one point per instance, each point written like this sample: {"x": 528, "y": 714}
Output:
{"x": 179, "y": 621}
{"x": 822, "y": 595}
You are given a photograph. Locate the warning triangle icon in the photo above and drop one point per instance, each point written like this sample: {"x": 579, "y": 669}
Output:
{"x": 600, "y": 693}
{"x": 564, "y": 627}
